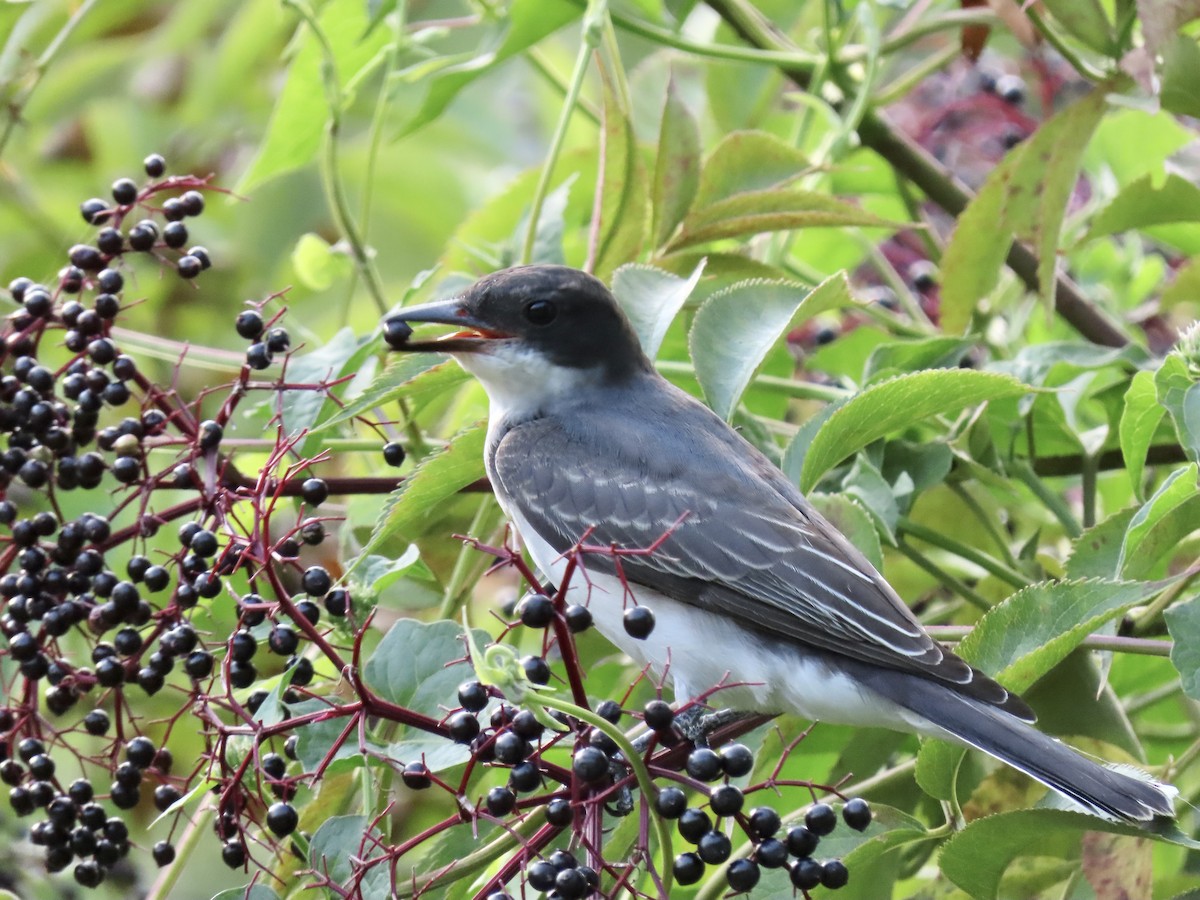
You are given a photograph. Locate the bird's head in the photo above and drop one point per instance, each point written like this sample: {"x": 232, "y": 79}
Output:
{"x": 553, "y": 317}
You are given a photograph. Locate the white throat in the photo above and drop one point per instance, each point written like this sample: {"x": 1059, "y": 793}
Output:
{"x": 520, "y": 382}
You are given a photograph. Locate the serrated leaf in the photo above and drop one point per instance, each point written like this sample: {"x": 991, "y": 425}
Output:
{"x": 676, "y": 167}
{"x": 976, "y": 857}
{"x": 1180, "y": 76}
{"x": 1024, "y": 637}
{"x": 1183, "y": 623}
{"x": 298, "y": 121}
{"x": 897, "y": 403}
{"x": 1141, "y": 204}
{"x": 748, "y": 162}
{"x": 300, "y": 410}
{"x": 377, "y": 573}
{"x": 1177, "y": 392}
{"x": 866, "y": 484}
{"x": 1139, "y": 418}
{"x": 756, "y": 212}
{"x": 1024, "y": 197}
{"x": 1162, "y": 522}
{"x": 624, "y": 208}
{"x": 527, "y": 22}
{"x": 416, "y": 377}
{"x": 1097, "y": 552}
{"x": 439, "y": 477}
{"x": 735, "y": 328}
{"x": 415, "y": 664}
{"x": 651, "y": 298}
{"x": 913, "y": 355}
{"x": 848, "y": 517}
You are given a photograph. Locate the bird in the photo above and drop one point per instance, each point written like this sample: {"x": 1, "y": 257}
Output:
{"x": 752, "y": 591}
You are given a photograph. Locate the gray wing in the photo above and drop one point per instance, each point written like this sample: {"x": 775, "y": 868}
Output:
{"x": 750, "y": 548}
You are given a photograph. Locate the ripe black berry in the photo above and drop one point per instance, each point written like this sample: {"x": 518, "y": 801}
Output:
{"x": 249, "y": 324}
{"x": 736, "y": 760}
{"x": 688, "y": 868}
{"x": 820, "y": 819}
{"x": 143, "y": 235}
{"x": 314, "y": 491}
{"x": 726, "y": 800}
{"x": 283, "y": 640}
{"x": 541, "y": 875}
{"x": 579, "y": 618}
{"x": 96, "y": 722}
{"x": 140, "y": 751}
{"x": 233, "y": 854}
{"x": 175, "y": 234}
{"x": 764, "y": 821}
{"x": 570, "y": 884}
{"x": 536, "y": 669}
{"x": 124, "y": 191}
{"x": 316, "y": 581}
{"x": 771, "y": 854}
{"x": 638, "y": 622}
{"x": 94, "y": 212}
{"x": 609, "y": 710}
{"x": 416, "y": 776}
{"x": 658, "y": 715}
{"x": 670, "y": 803}
{"x": 525, "y": 777}
{"x": 704, "y": 764}
{"x": 187, "y": 266}
{"x": 801, "y": 842}
{"x": 201, "y": 253}
{"x": 559, "y": 812}
{"x": 89, "y": 873}
{"x": 193, "y": 203}
{"x": 163, "y": 853}
{"x": 337, "y": 602}
{"x": 166, "y": 796}
{"x": 501, "y": 801}
{"x": 393, "y": 453}
{"x": 199, "y": 664}
{"x": 396, "y": 333}
{"x": 806, "y": 874}
{"x": 742, "y": 874}
{"x": 463, "y": 727}
{"x": 282, "y": 819}
{"x": 472, "y": 696}
{"x": 857, "y": 814}
{"x": 110, "y": 241}
{"x": 714, "y": 847}
{"x": 278, "y": 340}
{"x": 590, "y": 764}
{"x": 834, "y": 874}
{"x": 694, "y": 824}
{"x": 535, "y": 610}
{"x": 154, "y": 165}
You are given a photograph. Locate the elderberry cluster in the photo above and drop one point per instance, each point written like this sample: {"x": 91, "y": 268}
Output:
{"x": 78, "y": 415}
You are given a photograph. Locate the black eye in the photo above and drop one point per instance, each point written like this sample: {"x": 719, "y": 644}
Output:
{"x": 540, "y": 312}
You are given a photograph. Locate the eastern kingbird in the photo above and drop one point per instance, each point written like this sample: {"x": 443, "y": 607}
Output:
{"x": 752, "y": 588}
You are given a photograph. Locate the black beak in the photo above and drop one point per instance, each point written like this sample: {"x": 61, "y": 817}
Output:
{"x": 472, "y": 336}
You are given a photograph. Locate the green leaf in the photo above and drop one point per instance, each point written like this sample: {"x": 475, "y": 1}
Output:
{"x": 624, "y": 210}
{"x": 316, "y": 739}
{"x": 1183, "y": 623}
{"x": 1177, "y": 392}
{"x": 1021, "y": 639}
{"x": 896, "y": 404}
{"x": 1185, "y": 287}
{"x": 651, "y": 298}
{"x": 1157, "y": 529}
{"x": 910, "y": 356}
{"x": 377, "y": 573}
{"x": 337, "y": 843}
{"x": 1180, "y": 76}
{"x": 1085, "y": 20}
{"x": 755, "y": 212}
{"x": 437, "y": 753}
{"x": 1141, "y": 204}
{"x": 848, "y": 517}
{"x": 865, "y": 483}
{"x": 736, "y": 327}
{"x": 418, "y": 499}
{"x": 1139, "y": 420}
{"x": 418, "y": 665}
{"x": 301, "y": 409}
{"x": 976, "y": 857}
{"x": 1024, "y": 197}
{"x": 528, "y": 22}
{"x": 748, "y": 162}
{"x": 1097, "y": 552}
{"x": 317, "y": 265}
{"x": 676, "y": 168}
{"x": 415, "y": 377}
{"x": 249, "y": 892}
{"x": 302, "y": 110}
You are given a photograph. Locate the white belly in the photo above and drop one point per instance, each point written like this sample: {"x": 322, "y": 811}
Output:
{"x": 709, "y": 656}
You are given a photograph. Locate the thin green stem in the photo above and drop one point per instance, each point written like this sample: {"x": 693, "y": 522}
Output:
{"x": 17, "y": 105}
{"x": 542, "y": 66}
{"x": 903, "y": 85}
{"x": 950, "y": 581}
{"x": 469, "y": 560}
{"x": 1049, "y": 498}
{"x": 590, "y": 39}
{"x": 979, "y": 558}
{"x": 1054, "y": 39}
{"x": 981, "y": 515}
{"x": 1088, "y": 488}
{"x": 335, "y": 191}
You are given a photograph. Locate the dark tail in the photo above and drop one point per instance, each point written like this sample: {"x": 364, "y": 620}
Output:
{"x": 1100, "y": 790}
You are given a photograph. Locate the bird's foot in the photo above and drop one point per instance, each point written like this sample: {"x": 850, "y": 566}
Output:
{"x": 698, "y": 724}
